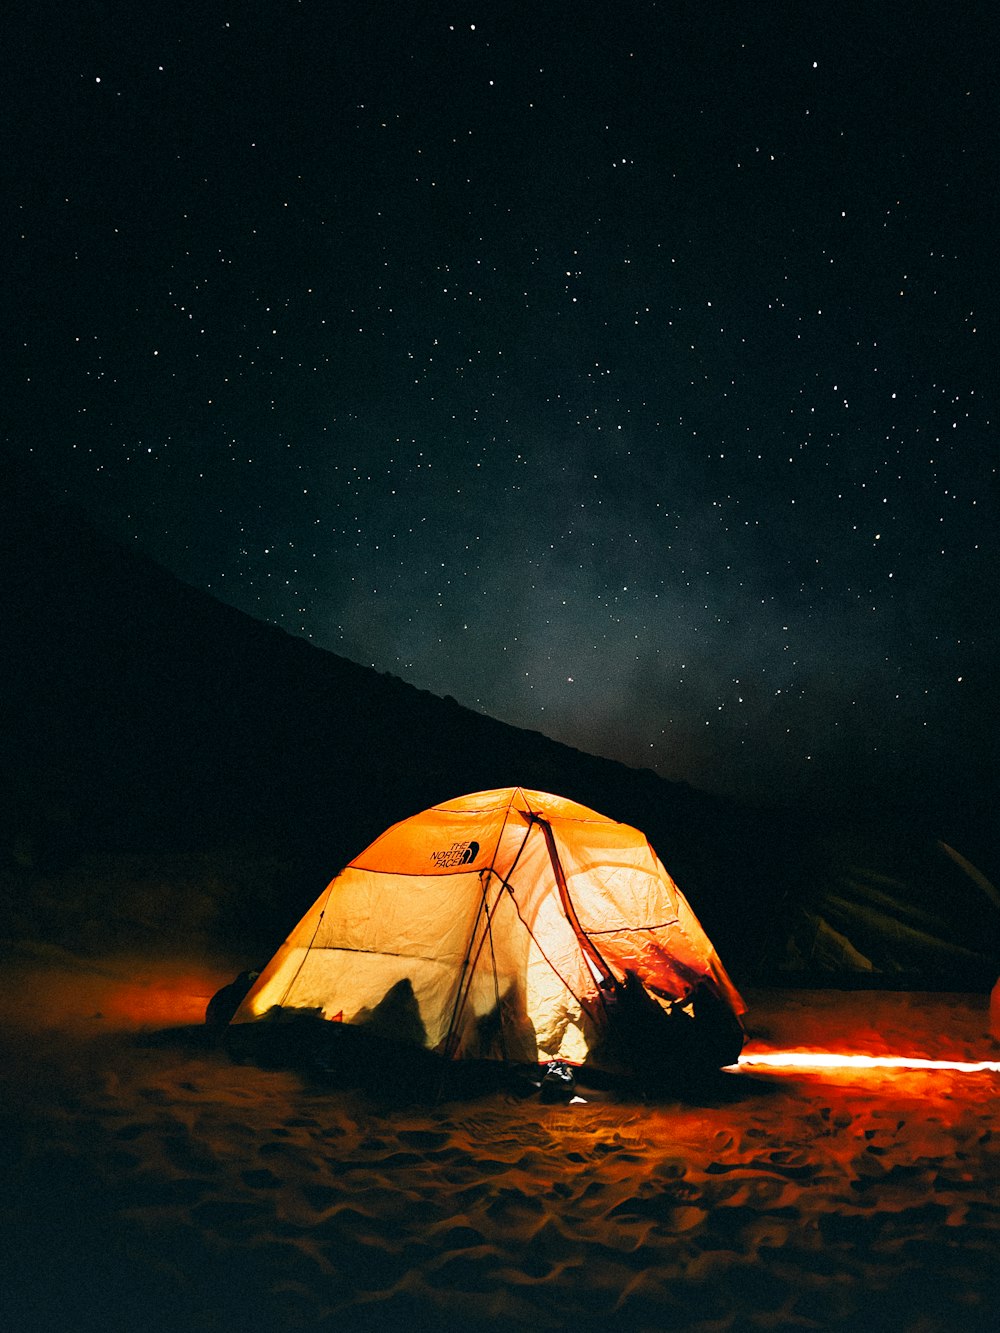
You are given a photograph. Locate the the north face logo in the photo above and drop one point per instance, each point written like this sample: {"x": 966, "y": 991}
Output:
{"x": 458, "y": 854}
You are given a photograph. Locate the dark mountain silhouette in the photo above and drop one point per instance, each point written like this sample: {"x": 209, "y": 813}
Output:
{"x": 141, "y": 715}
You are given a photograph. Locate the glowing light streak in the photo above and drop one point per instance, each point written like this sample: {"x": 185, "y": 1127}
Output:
{"x": 836, "y": 1060}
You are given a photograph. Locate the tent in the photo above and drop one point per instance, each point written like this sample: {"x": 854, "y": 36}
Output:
{"x": 510, "y": 925}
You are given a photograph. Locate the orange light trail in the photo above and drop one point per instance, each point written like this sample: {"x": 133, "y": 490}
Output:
{"x": 827, "y": 1060}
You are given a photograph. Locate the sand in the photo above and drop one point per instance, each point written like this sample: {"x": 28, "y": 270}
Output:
{"x": 153, "y": 1183}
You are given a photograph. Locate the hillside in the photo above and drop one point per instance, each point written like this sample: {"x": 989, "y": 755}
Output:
{"x": 142, "y": 717}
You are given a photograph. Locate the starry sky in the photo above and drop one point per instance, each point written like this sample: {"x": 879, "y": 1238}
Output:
{"x": 626, "y": 371}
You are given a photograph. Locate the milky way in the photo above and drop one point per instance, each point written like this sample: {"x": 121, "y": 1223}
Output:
{"x": 626, "y": 372}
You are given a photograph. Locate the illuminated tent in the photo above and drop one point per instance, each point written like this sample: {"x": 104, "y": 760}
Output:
{"x": 510, "y": 925}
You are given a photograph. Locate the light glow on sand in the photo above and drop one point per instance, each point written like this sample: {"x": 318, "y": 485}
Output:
{"x": 114, "y": 993}
{"x": 838, "y": 1060}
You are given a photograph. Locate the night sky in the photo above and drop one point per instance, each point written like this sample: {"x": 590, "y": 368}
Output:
{"x": 626, "y": 371}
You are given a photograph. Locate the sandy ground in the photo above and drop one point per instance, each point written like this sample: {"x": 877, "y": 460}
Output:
{"x": 153, "y": 1183}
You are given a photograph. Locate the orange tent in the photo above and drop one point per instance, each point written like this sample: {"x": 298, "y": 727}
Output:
{"x": 507, "y": 924}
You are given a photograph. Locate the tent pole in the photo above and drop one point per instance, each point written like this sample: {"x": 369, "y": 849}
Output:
{"x": 607, "y": 977}
{"x": 460, "y": 993}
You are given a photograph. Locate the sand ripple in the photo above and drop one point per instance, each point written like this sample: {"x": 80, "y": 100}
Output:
{"x": 154, "y": 1186}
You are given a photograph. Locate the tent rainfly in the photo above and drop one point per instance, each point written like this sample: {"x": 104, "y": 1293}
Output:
{"x": 511, "y": 925}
